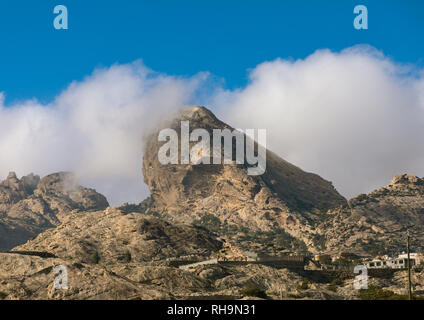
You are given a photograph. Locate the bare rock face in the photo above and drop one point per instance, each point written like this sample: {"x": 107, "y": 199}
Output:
{"x": 13, "y": 190}
{"x": 376, "y": 223}
{"x": 108, "y": 254}
{"x": 284, "y": 197}
{"x": 31, "y": 277}
{"x": 407, "y": 180}
{"x": 29, "y": 205}
{"x": 63, "y": 194}
{"x": 285, "y": 206}
{"x": 299, "y": 190}
{"x": 111, "y": 236}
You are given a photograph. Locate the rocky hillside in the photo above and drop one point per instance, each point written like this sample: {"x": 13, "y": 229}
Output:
{"x": 285, "y": 207}
{"x": 32, "y": 277}
{"x": 111, "y": 236}
{"x": 376, "y": 223}
{"x": 108, "y": 254}
{"x": 30, "y": 205}
{"x": 284, "y": 201}
{"x": 195, "y": 213}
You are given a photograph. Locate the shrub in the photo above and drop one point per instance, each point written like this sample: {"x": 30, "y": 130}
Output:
{"x": 251, "y": 290}
{"x": 319, "y": 241}
{"x": 210, "y": 222}
{"x": 94, "y": 257}
{"x": 130, "y": 208}
{"x": 343, "y": 262}
{"x": 304, "y": 285}
{"x": 332, "y": 287}
{"x": 333, "y": 284}
{"x": 127, "y": 256}
{"x": 377, "y": 293}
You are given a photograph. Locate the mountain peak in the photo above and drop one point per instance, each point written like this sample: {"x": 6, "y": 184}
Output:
{"x": 226, "y": 193}
{"x": 30, "y": 205}
{"x": 195, "y": 113}
{"x": 406, "y": 179}
{"x": 11, "y": 175}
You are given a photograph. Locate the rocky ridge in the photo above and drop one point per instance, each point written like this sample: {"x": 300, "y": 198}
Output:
{"x": 31, "y": 205}
{"x": 376, "y": 223}
{"x": 223, "y": 198}
{"x": 111, "y": 236}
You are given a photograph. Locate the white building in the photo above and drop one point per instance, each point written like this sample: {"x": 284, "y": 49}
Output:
{"x": 416, "y": 256}
{"x": 401, "y": 262}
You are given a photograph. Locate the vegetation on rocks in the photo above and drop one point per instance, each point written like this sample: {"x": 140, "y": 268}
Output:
{"x": 304, "y": 285}
{"x": 376, "y": 293}
{"x": 251, "y": 290}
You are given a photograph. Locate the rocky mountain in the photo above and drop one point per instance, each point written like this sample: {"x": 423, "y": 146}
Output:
{"x": 376, "y": 223}
{"x": 31, "y": 205}
{"x": 285, "y": 207}
{"x": 196, "y": 213}
{"x": 285, "y": 200}
{"x": 111, "y": 236}
{"x": 32, "y": 277}
{"x": 111, "y": 254}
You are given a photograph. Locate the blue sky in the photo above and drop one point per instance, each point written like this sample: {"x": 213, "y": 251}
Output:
{"x": 226, "y": 38}
{"x": 346, "y": 104}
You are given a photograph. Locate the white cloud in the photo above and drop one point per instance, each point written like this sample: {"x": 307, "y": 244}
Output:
{"x": 354, "y": 117}
{"x": 93, "y": 128}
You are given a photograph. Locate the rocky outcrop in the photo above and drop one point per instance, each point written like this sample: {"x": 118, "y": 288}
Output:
{"x": 285, "y": 207}
{"x": 31, "y": 205}
{"x": 111, "y": 236}
{"x": 225, "y": 198}
{"x": 169, "y": 184}
{"x": 108, "y": 254}
{"x": 31, "y": 277}
{"x": 12, "y": 190}
{"x": 376, "y": 223}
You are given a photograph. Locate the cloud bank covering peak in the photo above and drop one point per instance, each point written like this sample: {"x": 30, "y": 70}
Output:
{"x": 354, "y": 117}
{"x": 94, "y": 128}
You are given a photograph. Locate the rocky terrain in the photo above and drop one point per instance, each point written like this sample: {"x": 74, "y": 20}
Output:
{"x": 110, "y": 236}
{"x": 376, "y": 223}
{"x": 196, "y": 213}
{"x": 285, "y": 200}
{"x": 108, "y": 254}
{"x": 286, "y": 207}
{"x": 31, "y": 205}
